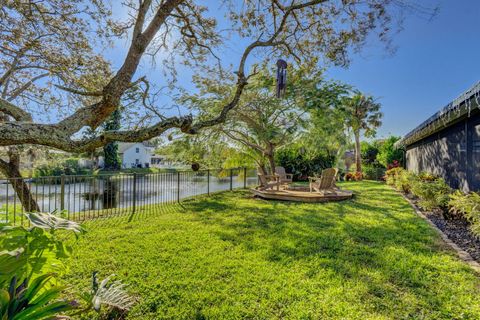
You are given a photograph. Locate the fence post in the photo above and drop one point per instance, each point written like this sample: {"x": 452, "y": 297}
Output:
{"x": 62, "y": 192}
{"x": 134, "y": 199}
{"x": 244, "y": 177}
{"x": 208, "y": 182}
{"x": 231, "y": 179}
{"x": 178, "y": 186}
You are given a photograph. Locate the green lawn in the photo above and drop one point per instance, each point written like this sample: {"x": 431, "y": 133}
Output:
{"x": 231, "y": 256}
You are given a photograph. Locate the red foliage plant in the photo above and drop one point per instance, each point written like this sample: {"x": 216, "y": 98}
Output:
{"x": 357, "y": 176}
{"x": 394, "y": 164}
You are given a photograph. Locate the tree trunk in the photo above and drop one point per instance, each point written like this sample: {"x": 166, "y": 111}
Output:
{"x": 261, "y": 169}
{"x": 271, "y": 159}
{"x": 358, "y": 156}
{"x": 271, "y": 162}
{"x": 11, "y": 170}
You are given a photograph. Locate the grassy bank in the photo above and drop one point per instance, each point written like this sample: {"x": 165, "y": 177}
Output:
{"x": 231, "y": 256}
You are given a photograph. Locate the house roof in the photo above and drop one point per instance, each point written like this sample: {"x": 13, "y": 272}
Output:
{"x": 459, "y": 108}
{"x": 124, "y": 146}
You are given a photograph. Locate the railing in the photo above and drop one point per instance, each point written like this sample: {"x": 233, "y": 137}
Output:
{"x": 84, "y": 197}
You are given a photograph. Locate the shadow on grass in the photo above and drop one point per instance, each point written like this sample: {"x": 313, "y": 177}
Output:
{"x": 231, "y": 255}
{"x": 348, "y": 236}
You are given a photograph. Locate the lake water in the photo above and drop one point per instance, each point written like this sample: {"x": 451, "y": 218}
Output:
{"x": 86, "y": 193}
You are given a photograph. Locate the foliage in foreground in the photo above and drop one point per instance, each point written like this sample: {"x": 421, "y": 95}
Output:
{"x": 31, "y": 265}
{"x": 30, "y": 259}
{"x": 231, "y": 256}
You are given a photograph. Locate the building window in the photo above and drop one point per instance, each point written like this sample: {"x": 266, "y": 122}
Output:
{"x": 137, "y": 150}
{"x": 137, "y": 161}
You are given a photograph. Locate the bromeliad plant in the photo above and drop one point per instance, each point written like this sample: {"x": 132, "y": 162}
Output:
{"x": 109, "y": 294}
{"x": 30, "y": 267}
{"x": 29, "y": 262}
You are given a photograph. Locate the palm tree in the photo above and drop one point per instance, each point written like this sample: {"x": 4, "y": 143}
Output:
{"x": 361, "y": 113}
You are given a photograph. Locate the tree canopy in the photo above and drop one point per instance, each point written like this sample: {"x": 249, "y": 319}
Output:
{"x": 188, "y": 32}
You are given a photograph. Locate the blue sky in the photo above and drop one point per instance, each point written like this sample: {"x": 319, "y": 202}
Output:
{"x": 435, "y": 61}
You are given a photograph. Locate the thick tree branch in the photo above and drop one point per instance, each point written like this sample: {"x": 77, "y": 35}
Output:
{"x": 15, "y": 112}
{"x": 95, "y": 114}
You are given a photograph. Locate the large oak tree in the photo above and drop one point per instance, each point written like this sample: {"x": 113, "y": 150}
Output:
{"x": 54, "y": 40}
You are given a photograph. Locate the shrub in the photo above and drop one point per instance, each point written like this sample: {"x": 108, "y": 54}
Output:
{"x": 467, "y": 205}
{"x": 300, "y": 166}
{"x": 404, "y": 180}
{"x": 401, "y": 179}
{"x": 388, "y": 153}
{"x": 394, "y": 164}
{"x": 369, "y": 152}
{"x": 391, "y": 175}
{"x": 67, "y": 167}
{"x": 358, "y": 176}
{"x": 426, "y": 176}
{"x": 354, "y": 176}
{"x": 433, "y": 194}
{"x": 372, "y": 172}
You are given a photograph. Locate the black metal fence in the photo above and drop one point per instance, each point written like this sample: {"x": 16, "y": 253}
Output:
{"x": 84, "y": 197}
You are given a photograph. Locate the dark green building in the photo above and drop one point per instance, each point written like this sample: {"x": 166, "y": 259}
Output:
{"x": 448, "y": 143}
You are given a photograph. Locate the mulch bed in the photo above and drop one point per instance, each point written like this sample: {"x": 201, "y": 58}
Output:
{"x": 457, "y": 230}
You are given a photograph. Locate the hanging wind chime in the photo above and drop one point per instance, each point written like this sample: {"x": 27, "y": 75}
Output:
{"x": 281, "y": 77}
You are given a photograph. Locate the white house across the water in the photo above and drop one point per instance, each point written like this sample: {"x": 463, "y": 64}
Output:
{"x": 135, "y": 155}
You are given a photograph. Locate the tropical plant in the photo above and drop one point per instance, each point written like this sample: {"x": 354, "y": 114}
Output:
{"x": 387, "y": 153}
{"x": 369, "y": 152}
{"x": 404, "y": 180}
{"x": 467, "y": 205}
{"x": 295, "y": 161}
{"x": 427, "y": 176}
{"x": 28, "y": 266}
{"x": 30, "y": 299}
{"x": 432, "y": 194}
{"x": 362, "y": 114}
{"x": 109, "y": 294}
{"x": 392, "y": 174}
{"x": 394, "y": 164}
